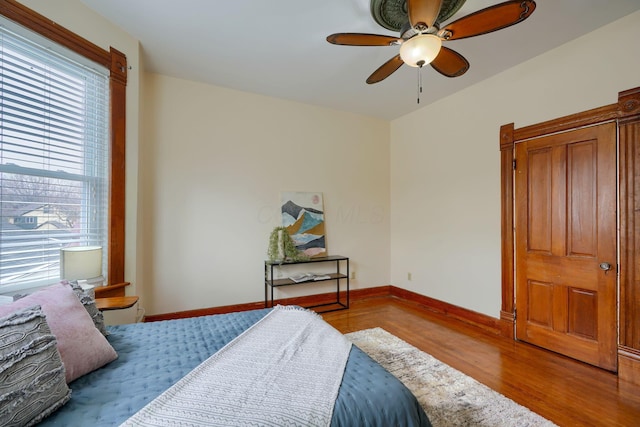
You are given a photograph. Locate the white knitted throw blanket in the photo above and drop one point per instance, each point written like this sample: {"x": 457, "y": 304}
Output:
{"x": 285, "y": 370}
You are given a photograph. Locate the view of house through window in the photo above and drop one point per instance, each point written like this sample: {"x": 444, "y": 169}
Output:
{"x": 54, "y": 159}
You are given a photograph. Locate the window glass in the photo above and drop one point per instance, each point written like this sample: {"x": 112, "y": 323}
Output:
{"x": 54, "y": 159}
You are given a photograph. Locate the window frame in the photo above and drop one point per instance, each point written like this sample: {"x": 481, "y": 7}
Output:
{"x": 116, "y": 62}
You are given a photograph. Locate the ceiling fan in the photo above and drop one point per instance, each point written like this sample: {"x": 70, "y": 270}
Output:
{"x": 421, "y": 37}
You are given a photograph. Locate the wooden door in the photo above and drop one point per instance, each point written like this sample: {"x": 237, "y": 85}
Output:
{"x": 565, "y": 220}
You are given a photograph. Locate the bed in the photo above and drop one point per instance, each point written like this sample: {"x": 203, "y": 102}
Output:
{"x": 151, "y": 357}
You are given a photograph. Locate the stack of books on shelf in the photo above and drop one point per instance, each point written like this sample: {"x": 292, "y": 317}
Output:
{"x": 306, "y": 277}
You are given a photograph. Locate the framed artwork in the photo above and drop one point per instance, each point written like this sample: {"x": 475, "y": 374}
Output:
{"x": 303, "y": 216}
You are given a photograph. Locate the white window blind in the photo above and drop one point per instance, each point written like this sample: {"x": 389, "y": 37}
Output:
{"x": 54, "y": 160}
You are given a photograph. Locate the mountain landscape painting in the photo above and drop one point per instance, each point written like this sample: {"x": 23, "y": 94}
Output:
{"x": 303, "y": 216}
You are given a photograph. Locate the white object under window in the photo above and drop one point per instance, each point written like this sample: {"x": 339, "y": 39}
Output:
{"x": 54, "y": 158}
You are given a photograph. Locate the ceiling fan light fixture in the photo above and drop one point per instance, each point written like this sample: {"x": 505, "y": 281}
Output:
{"x": 420, "y": 50}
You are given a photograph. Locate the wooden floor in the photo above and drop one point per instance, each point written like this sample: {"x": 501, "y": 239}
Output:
{"x": 565, "y": 391}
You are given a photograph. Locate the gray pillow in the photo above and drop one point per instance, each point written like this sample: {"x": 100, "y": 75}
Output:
{"x": 90, "y": 305}
{"x": 32, "y": 376}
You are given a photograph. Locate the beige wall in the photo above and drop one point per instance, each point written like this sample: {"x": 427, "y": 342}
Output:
{"x": 418, "y": 195}
{"x": 212, "y": 168}
{"x": 445, "y": 180}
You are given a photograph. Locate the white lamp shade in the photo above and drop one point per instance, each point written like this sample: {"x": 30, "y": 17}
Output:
{"x": 80, "y": 262}
{"x": 423, "y": 47}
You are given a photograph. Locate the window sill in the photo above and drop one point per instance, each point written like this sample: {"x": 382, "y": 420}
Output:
{"x": 115, "y": 303}
{"x": 116, "y": 290}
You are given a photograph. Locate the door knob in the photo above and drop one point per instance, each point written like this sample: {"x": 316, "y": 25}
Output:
{"x": 605, "y": 266}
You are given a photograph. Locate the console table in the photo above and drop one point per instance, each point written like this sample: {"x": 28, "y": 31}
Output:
{"x": 271, "y": 282}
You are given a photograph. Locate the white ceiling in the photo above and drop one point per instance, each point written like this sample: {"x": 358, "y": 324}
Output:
{"x": 278, "y": 48}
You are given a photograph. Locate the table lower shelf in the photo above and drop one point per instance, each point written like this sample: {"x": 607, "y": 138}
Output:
{"x": 327, "y": 303}
{"x": 340, "y": 301}
{"x": 288, "y": 282}
{"x": 326, "y": 308}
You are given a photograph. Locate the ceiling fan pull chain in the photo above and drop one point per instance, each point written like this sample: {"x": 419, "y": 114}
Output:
{"x": 420, "y": 80}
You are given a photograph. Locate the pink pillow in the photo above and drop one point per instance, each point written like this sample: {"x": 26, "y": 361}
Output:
{"x": 82, "y": 347}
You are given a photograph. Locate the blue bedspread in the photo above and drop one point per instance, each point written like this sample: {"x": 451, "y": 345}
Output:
{"x": 153, "y": 356}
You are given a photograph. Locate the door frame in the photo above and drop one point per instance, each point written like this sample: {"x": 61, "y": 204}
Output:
{"x": 626, "y": 113}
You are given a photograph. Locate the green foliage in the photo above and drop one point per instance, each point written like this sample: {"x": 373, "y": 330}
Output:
{"x": 289, "y": 250}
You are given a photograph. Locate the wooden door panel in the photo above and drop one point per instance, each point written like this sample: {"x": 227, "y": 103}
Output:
{"x": 583, "y": 313}
{"x": 554, "y": 269}
{"x": 559, "y": 192}
{"x": 581, "y": 189}
{"x": 565, "y": 192}
{"x": 571, "y": 346}
{"x": 539, "y": 232}
{"x": 540, "y": 314}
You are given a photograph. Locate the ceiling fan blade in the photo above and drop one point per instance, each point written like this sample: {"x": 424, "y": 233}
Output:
{"x": 360, "y": 39}
{"x": 450, "y": 63}
{"x": 423, "y": 11}
{"x": 490, "y": 19}
{"x": 385, "y": 70}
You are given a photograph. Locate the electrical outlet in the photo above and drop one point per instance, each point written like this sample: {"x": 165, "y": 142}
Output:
{"x": 353, "y": 275}
{"x": 408, "y": 276}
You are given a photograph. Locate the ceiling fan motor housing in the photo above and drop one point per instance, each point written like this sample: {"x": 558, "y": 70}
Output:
{"x": 392, "y": 14}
